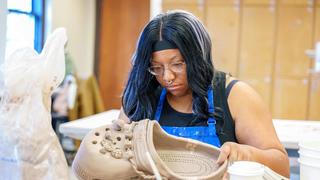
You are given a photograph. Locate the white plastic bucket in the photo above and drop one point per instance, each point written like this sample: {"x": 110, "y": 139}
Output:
{"x": 311, "y": 148}
{"x": 246, "y": 170}
{"x": 309, "y": 158}
{"x": 309, "y": 171}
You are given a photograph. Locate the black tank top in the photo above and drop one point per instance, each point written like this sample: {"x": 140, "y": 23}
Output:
{"x": 224, "y": 122}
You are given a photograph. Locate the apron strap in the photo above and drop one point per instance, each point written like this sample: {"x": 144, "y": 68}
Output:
{"x": 211, "y": 120}
{"x": 210, "y": 92}
{"x": 160, "y": 104}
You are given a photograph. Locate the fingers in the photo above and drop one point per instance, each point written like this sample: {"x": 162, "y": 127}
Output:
{"x": 234, "y": 155}
{"x": 234, "y": 152}
{"x": 224, "y": 153}
{"x": 118, "y": 124}
{"x": 225, "y": 176}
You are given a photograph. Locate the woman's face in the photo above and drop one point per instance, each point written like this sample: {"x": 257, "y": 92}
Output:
{"x": 171, "y": 72}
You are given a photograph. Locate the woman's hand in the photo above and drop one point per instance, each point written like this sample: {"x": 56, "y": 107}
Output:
{"x": 122, "y": 119}
{"x": 118, "y": 124}
{"x": 235, "y": 152}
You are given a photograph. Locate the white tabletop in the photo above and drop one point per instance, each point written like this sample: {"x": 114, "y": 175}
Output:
{"x": 77, "y": 129}
{"x": 290, "y": 132}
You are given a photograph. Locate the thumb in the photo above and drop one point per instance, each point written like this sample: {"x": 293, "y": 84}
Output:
{"x": 117, "y": 124}
{"x": 224, "y": 153}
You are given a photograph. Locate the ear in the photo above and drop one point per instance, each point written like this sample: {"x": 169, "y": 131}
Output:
{"x": 54, "y": 60}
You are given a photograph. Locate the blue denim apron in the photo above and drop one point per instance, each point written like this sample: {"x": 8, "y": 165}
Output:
{"x": 206, "y": 134}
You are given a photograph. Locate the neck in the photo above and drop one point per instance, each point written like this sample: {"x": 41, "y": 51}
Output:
{"x": 181, "y": 103}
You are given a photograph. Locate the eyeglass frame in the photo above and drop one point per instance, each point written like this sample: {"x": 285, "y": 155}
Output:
{"x": 169, "y": 67}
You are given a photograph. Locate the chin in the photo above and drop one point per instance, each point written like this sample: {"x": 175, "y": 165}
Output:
{"x": 178, "y": 93}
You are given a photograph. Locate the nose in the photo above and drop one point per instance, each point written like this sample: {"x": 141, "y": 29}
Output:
{"x": 168, "y": 75}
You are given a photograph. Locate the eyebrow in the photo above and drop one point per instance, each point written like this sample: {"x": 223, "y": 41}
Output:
{"x": 172, "y": 58}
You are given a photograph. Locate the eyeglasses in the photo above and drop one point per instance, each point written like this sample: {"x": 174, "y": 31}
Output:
{"x": 176, "y": 67}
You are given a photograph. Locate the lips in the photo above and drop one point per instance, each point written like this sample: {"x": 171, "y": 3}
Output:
{"x": 173, "y": 87}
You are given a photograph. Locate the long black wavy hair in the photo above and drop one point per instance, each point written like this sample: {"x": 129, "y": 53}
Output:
{"x": 184, "y": 30}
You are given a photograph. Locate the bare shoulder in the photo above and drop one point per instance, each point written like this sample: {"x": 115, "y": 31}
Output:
{"x": 243, "y": 97}
{"x": 253, "y": 121}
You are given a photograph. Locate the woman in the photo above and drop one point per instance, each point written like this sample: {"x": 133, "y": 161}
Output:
{"x": 174, "y": 82}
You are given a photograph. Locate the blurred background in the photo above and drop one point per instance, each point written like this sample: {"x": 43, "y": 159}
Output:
{"x": 266, "y": 43}
{"x": 273, "y": 45}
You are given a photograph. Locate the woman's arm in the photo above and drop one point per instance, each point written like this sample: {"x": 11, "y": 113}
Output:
{"x": 255, "y": 132}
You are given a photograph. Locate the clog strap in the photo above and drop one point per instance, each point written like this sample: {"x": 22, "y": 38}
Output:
{"x": 140, "y": 147}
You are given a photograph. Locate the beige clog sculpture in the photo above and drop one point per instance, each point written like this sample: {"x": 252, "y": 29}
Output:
{"x": 143, "y": 150}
